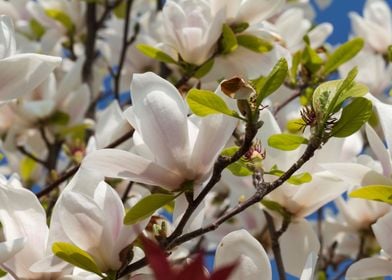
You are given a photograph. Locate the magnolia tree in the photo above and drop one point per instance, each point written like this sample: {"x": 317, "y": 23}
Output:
{"x": 139, "y": 137}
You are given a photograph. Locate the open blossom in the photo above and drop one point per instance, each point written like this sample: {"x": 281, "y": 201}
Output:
{"x": 20, "y": 73}
{"x": 375, "y": 26}
{"x": 378, "y": 265}
{"x": 172, "y": 149}
{"x": 191, "y": 29}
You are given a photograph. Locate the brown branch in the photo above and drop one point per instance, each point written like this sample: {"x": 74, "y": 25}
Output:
{"x": 68, "y": 174}
{"x": 30, "y": 155}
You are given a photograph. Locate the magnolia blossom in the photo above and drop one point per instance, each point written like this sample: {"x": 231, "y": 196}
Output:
{"x": 378, "y": 265}
{"x": 375, "y": 26}
{"x": 247, "y": 11}
{"x": 191, "y": 29}
{"x": 20, "y": 72}
{"x": 173, "y": 149}
{"x": 26, "y": 234}
{"x": 253, "y": 262}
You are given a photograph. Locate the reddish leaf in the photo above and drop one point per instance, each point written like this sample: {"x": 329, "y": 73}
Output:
{"x": 157, "y": 259}
{"x": 223, "y": 273}
{"x": 193, "y": 271}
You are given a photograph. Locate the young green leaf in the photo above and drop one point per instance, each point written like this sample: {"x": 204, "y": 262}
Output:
{"x": 254, "y": 43}
{"x": 75, "y": 256}
{"x": 275, "y": 206}
{"x": 120, "y": 10}
{"x": 238, "y": 168}
{"x": 286, "y": 142}
{"x": 294, "y": 67}
{"x": 343, "y": 54}
{"x": 239, "y": 27}
{"x": 204, "y": 103}
{"x": 298, "y": 179}
{"x": 374, "y": 192}
{"x": 228, "y": 42}
{"x": 295, "y": 126}
{"x": 204, "y": 69}
{"x": 27, "y": 167}
{"x": 2, "y": 273}
{"x": 311, "y": 59}
{"x": 155, "y": 53}
{"x": 61, "y": 17}
{"x": 354, "y": 116}
{"x": 267, "y": 85}
{"x": 37, "y": 28}
{"x": 146, "y": 207}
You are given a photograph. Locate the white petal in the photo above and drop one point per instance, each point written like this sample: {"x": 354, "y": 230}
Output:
{"x": 385, "y": 116}
{"x": 382, "y": 230}
{"x": 369, "y": 268}
{"x": 379, "y": 149}
{"x": 9, "y": 248}
{"x": 49, "y": 263}
{"x": 23, "y": 72}
{"x": 296, "y": 244}
{"x": 254, "y": 11}
{"x": 77, "y": 103}
{"x": 241, "y": 246}
{"x": 82, "y": 220}
{"x": 160, "y": 115}
{"x": 319, "y": 34}
{"x": 121, "y": 164}
{"x": 7, "y": 37}
{"x": 22, "y": 215}
{"x": 356, "y": 174}
{"x": 310, "y": 266}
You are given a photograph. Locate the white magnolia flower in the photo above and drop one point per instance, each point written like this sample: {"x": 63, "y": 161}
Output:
{"x": 20, "y": 73}
{"x": 174, "y": 149}
{"x": 253, "y": 261}
{"x": 249, "y": 11}
{"x": 192, "y": 29}
{"x": 26, "y": 234}
{"x": 375, "y": 26}
{"x": 376, "y": 266}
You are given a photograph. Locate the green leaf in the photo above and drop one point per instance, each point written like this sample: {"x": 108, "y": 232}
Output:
{"x": 238, "y": 168}
{"x": 204, "y": 69}
{"x": 27, "y": 167}
{"x": 59, "y": 118}
{"x": 390, "y": 53}
{"x": 254, "y": 43}
{"x": 204, "y": 103}
{"x": 155, "y": 53}
{"x": 275, "y": 206}
{"x": 146, "y": 207}
{"x": 295, "y": 125}
{"x": 329, "y": 96}
{"x": 298, "y": 179}
{"x": 75, "y": 256}
{"x": 61, "y": 17}
{"x": 354, "y": 116}
{"x": 381, "y": 193}
{"x": 120, "y": 10}
{"x": 286, "y": 142}
{"x": 343, "y": 54}
{"x": 37, "y": 29}
{"x": 294, "y": 67}
{"x": 2, "y": 273}
{"x": 268, "y": 85}
{"x": 228, "y": 42}
{"x": 76, "y": 132}
{"x": 311, "y": 59}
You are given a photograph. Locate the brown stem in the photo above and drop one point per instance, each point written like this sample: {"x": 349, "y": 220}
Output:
{"x": 91, "y": 23}
{"x": 68, "y": 174}
{"x": 274, "y": 235}
{"x": 30, "y": 155}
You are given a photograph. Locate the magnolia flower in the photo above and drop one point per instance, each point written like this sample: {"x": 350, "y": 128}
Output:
{"x": 249, "y": 11}
{"x": 191, "y": 29}
{"x": 253, "y": 261}
{"x": 175, "y": 150}
{"x": 20, "y": 73}
{"x": 26, "y": 234}
{"x": 376, "y": 266}
{"x": 95, "y": 224}
{"x": 375, "y": 26}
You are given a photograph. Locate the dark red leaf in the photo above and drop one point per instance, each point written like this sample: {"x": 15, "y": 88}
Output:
{"x": 156, "y": 257}
{"x": 193, "y": 271}
{"x": 223, "y": 273}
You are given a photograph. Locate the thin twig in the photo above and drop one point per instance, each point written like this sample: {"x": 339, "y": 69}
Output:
{"x": 30, "y": 155}
{"x": 64, "y": 177}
